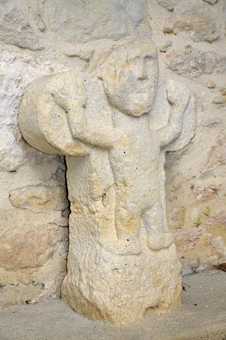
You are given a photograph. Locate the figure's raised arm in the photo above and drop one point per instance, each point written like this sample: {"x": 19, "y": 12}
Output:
{"x": 80, "y": 129}
{"x": 178, "y": 97}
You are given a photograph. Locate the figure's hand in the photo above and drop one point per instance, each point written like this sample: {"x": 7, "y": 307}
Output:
{"x": 70, "y": 95}
{"x": 178, "y": 96}
{"x": 61, "y": 100}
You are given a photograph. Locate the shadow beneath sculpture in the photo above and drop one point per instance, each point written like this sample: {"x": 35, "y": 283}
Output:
{"x": 114, "y": 123}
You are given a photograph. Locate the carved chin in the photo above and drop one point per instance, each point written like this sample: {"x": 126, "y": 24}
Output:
{"x": 135, "y": 109}
{"x": 139, "y": 106}
{"x": 139, "y": 110}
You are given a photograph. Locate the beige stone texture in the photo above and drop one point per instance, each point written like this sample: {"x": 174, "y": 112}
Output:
{"x": 15, "y": 27}
{"x": 211, "y": 2}
{"x": 79, "y": 22}
{"x": 194, "y": 63}
{"x": 28, "y": 247}
{"x": 195, "y": 17}
{"x": 168, "y": 4}
{"x": 120, "y": 119}
{"x": 201, "y": 163}
{"x": 40, "y": 198}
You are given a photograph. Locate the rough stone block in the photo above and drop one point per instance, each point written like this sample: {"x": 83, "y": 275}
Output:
{"x": 216, "y": 155}
{"x": 177, "y": 217}
{"x": 39, "y": 198}
{"x": 204, "y": 194}
{"x": 15, "y": 27}
{"x": 194, "y": 17}
{"x": 168, "y": 4}
{"x": 81, "y": 22}
{"x": 211, "y": 2}
{"x": 17, "y": 70}
{"x": 192, "y": 62}
{"x": 28, "y": 247}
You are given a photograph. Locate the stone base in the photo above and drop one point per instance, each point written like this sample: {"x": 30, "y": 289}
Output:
{"x": 121, "y": 289}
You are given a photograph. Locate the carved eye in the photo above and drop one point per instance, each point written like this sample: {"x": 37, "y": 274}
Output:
{"x": 149, "y": 61}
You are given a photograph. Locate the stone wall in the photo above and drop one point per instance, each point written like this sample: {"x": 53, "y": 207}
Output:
{"x": 191, "y": 39}
{"x": 39, "y": 38}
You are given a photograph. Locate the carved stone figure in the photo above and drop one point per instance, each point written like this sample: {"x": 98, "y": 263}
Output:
{"x": 114, "y": 122}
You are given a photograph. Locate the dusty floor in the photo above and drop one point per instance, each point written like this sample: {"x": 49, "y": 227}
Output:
{"x": 201, "y": 316}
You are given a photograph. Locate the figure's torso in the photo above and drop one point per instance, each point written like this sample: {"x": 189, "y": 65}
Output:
{"x": 135, "y": 162}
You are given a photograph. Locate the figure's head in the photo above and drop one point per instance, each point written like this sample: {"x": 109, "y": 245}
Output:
{"x": 130, "y": 77}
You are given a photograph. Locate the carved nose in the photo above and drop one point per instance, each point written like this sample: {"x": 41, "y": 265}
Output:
{"x": 141, "y": 71}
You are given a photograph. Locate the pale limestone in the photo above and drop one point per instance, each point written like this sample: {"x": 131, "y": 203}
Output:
{"x": 211, "y": 2}
{"x": 28, "y": 247}
{"x": 224, "y": 12}
{"x": 39, "y": 198}
{"x": 177, "y": 218}
{"x": 15, "y": 27}
{"x": 202, "y": 161}
{"x": 168, "y": 4}
{"x": 165, "y": 47}
{"x": 32, "y": 263}
{"x": 18, "y": 294}
{"x": 219, "y": 100}
{"x": 196, "y": 18}
{"x": 195, "y": 216}
{"x": 79, "y": 22}
{"x": 193, "y": 63}
{"x": 31, "y": 285}
{"x": 216, "y": 155}
{"x": 120, "y": 119}
{"x": 17, "y": 70}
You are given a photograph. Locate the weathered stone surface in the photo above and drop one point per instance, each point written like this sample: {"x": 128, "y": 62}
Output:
{"x": 194, "y": 241}
{"x": 211, "y": 2}
{"x": 224, "y": 12}
{"x": 194, "y": 17}
{"x": 194, "y": 63}
{"x": 39, "y": 198}
{"x": 15, "y": 27}
{"x": 177, "y": 217}
{"x": 171, "y": 195}
{"x": 219, "y": 100}
{"x": 120, "y": 120}
{"x": 209, "y": 121}
{"x": 222, "y": 90}
{"x": 210, "y": 84}
{"x": 195, "y": 216}
{"x": 165, "y": 47}
{"x": 187, "y": 239}
{"x": 18, "y": 294}
{"x": 28, "y": 247}
{"x": 81, "y": 22}
{"x": 16, "y": 72}
{"x": 217, "y": 154}
{"x": 219, "y": 217}
{"x": 37, "y": 14}
{"x": 31, "y": 285}
{"x": 168, "y": 4}
{"x": 206, "y": 193}
{"x": 178, "y": 181}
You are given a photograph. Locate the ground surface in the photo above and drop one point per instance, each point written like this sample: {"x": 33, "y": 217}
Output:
{"x": 201, "y": 316}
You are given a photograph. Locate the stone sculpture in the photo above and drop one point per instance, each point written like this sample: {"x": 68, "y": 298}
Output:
{"x": 114, "y": 122}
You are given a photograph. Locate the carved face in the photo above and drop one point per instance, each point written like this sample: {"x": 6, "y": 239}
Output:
{"x": 130, "y": 76}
